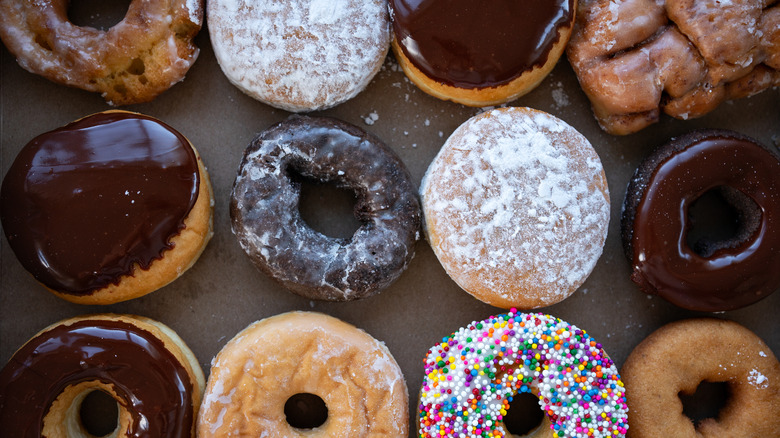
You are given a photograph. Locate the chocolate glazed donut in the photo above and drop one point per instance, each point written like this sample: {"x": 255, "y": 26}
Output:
{"x": 715, "y": 275}
{"x": 269, "y": 227}
{"x": 156, "y": 385}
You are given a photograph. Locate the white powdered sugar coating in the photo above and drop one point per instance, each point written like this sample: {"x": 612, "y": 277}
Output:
{"x": 300, "y": 55}
{"x": 516, "y": 207}
{"x": 757, "y": 379}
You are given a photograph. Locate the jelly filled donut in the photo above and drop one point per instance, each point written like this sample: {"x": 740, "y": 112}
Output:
{"x": 300, "y": 55}
{"x": 141, "y": 363}
{"x": 143, "y": 55}
{"x": 472, "y": 375}
{"x": 480, "y": 53}
{"x": 269, "y": 227}
{"x": 260, "y": 376}
{"x": 516, "y": 208}
{"x": 107, "y": 208}
{"x": 679, "y": 356}
{"x": 711, "y": 274}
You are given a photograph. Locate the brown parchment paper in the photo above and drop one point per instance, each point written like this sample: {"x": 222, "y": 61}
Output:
{"x": 224, "y": 292}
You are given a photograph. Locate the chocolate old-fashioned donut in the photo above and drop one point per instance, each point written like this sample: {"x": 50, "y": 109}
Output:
{"x": 713, "y": 275}
{"x": 269, "y": 227}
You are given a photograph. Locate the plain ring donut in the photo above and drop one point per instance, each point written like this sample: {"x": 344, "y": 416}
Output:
{"x": 269, "y": 227}
{"x": 134, "y": 61}
{"x": 710, "y": 275}
{"x": 141, "y": 363}
{"x": 677, "y": 357}
{"x": 268, "y": 366}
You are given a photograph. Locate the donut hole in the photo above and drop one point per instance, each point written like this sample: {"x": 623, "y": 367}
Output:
{"x": 706, "y": 402}
{"x": 305, "y": 411}
{"x": 720, "y": 218}
{"x": 524, "y": 415}
{"x": 326, "y": 208}
{"x": 99, "y": 414}
{"x": 99, "y": 14}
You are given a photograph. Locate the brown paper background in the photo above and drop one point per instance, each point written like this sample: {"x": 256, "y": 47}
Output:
{"x": 223, "y": 292}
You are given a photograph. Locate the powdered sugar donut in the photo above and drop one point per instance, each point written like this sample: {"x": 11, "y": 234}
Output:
{"x": 516, "y": 208}
{"x": 300, "y": 55}
{"x": 471, "y": 376}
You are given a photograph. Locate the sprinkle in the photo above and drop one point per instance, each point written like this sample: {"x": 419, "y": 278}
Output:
{"x": 577, "y": 384}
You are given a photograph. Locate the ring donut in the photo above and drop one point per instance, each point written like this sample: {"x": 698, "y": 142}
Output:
{"x": 269, "y": 227}
{"x": 141, "y": 363}
{"x": 134, "y": 61}
{"x": 677, "y": 357}
{"x": 711, "y": 275}
{"x": 274, "y": 360}
{"x": 471, "y": 376}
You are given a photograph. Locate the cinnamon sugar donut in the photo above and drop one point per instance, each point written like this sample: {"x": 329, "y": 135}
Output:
{"x": 480, "y": 53}
{"x": 274, "y": 362}
{"x": 636, "y": 58}
{"x": 107, "y": 208}
{"x": 143, "y": 55}
{"x": 141, "y": 363}
{"x": 679, "y": 356}
{"x": 300, "y": 55}
{"x": 516, "y": 207}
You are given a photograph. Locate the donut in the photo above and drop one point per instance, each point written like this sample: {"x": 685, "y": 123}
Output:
{"x": 146, "y": 53}
{"x": 637, "y": 58}
{"x": 712, "y": 274}
{"x": 516, "y": 208}
{"x": 291, "y": 355}
{"x": 107, "y": 208}
{"x": 472, "y": 375}
{"x": 141, "y": 363}
{"x": 301, "y": 55}
{"x": 479, "y": 54}
{"x": 269, "y": 227}
{"x": 677, "y": 357}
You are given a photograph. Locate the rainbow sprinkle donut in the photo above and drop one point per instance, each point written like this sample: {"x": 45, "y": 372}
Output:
{"x": 471, "y": 376}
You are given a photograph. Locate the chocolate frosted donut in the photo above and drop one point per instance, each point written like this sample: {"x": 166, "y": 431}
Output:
{"x": 107, "y": 208}
{"x": 141, "y": 363}
{"x": 269, "y": 227}
{"x": 713, "y": 275}
{"x": 480, "y": 53}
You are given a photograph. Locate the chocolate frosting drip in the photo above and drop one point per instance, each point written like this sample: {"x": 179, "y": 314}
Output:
{"x": 473, "y": 44}
{"x": 733, "y": 276}
{"x": 82, "y": 204}
{"x": 152, "y": 385}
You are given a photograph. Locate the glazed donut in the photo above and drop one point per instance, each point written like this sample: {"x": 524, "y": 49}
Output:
{"x": 636, "y": 58}
{"x": 269, "y": 227}
{"x": 479, "y": 54}
{"x": 107, "y": 208}
{"x": 134, "y": 61}
{"x": 471, "y": 376}
{"x": 141, "y": 363}
{"x": 284, "y": 356}
{"x": 706, "y": 275}
{"x": 516, "y": 208}
{"x": 300, "y": 55}
{"x": 679, "y": 356}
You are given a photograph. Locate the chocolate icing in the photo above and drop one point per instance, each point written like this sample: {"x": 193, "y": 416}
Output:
{"x": 150, "y": 382}
{"x": 735, "y": 273}
{"x": 82, "y": 204}
{"x": 268, "y": 224}
{"x": 471, "y": 44}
